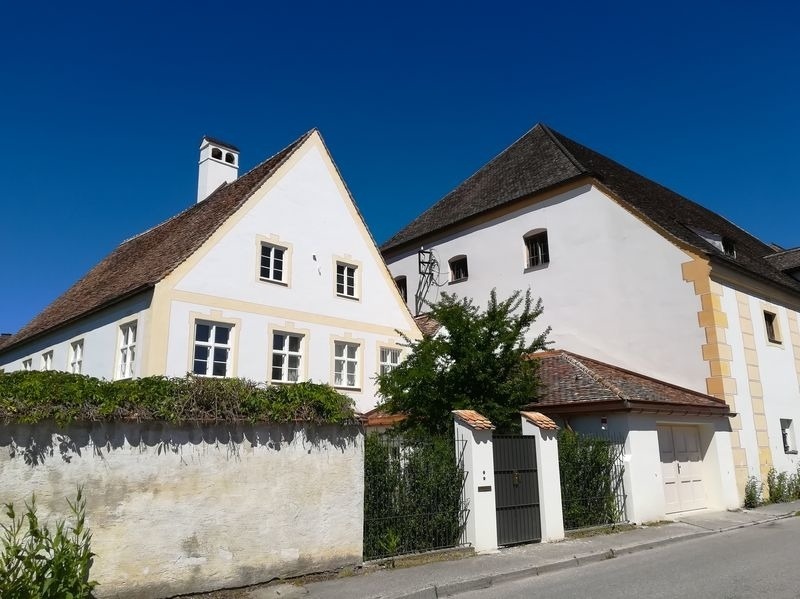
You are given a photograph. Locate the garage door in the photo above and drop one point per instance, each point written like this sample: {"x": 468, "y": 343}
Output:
{"x": 682, "y": 468}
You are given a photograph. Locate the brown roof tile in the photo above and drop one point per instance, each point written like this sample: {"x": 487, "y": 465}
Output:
{"x": 570, "y": 380}
{"x": 142, "y": 261}
{"x": 427, "y": 324}
{"x": 377, "y": 417}
{"x": 543, "y": 159}
{"x": 474, "y": 419}
{"x": 540, "y": 420}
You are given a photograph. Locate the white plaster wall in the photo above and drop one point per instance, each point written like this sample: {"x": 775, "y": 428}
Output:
{"x": 100, "y": 334}
{"x": 186, "y": 509}
{"x": 778, "y": 380}
{"x": 613, "y": 289}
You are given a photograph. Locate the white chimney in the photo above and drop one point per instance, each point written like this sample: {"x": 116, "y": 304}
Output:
{"x": 219, "y": 163}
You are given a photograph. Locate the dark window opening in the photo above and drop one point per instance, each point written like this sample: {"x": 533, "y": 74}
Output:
{"x": 537, "y": 249}
{"x": 229, "y": 158}
{"x": 458, "y": 269}
{"x": 216, "y": 153}
{"x": 401, "y": 287}
{"x": 772, "y": 327}
{"x": 729, "y": 247}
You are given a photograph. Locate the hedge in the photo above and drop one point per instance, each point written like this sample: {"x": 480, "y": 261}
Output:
{"x": 30, "y": 397}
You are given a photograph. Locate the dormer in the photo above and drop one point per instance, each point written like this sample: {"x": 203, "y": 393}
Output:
{"x": 219, "y": 163}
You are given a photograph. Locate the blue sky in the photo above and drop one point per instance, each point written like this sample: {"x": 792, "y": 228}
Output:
{"x": 102, "y": 106}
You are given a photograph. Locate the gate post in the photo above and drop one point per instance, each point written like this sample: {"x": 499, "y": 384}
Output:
{"x": 475, "y": 432}
{"x": 546, "y": 433}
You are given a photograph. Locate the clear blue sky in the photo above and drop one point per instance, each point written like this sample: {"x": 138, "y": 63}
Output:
{"x": 102, "y": 106}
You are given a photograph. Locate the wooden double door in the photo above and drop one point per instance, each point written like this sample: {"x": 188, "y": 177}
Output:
{"x": 682, "y": 468}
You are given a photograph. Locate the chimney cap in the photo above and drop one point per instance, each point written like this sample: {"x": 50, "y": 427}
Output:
{"x": 218, "y": 142}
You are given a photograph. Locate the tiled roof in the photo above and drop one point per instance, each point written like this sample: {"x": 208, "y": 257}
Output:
{"x": 377, "y": 417}
{"x": 427, "y": 324}
{"x": 142, "y": 261}
{"x": 474, "y": 419}
{"x": 573, "y": 381}
{"x": 543, "y": 159}
{"x": 540, "y": 420}
{"x": 785, "y": 260}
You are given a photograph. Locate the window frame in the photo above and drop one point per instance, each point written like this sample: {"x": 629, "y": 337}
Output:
{"x": 285, "y": 254}
{"x": 345, "y": 359}
{"x": 382, "y": 364}
{"x": 125, "y": 364}
{"x": 401, "y": 282}
{"x": 453, "y": 264}
{"x": 541, "y": 257}
{"x": 212, "y": 344}
{"x": 287, "y": 353}
{"x": 27, "y": 364}
{"x": 788, "y": 437}
{"x": 76, "y": 354}
{"x": 356, "y": 287}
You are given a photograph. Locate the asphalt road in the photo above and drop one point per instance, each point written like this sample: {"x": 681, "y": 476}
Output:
{"x": 758, "y": 561}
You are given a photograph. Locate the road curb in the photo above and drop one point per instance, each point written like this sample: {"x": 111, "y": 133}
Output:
{"x": 488, "y": 580}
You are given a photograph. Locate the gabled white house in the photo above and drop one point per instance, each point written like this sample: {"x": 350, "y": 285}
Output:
{"x": 631, "y": 274}
{"x": 271, "y": 276}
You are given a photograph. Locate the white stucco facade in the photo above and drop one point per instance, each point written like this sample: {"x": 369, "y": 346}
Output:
{"x": 612, "y": 289}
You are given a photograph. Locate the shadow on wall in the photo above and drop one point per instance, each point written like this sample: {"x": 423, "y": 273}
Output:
{"x": 35, "y": 443}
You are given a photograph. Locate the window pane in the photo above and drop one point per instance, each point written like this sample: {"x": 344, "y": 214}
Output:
{"x": 131, "y": 356}
{"x": 202, "y": 332}
{"x": 220, "y": 369}
{"x": 294, "y": 362}
{"x": 266, "y": 254}
{"x": 351, "y": 351}
{"x": 338, "y": 367}
{"x": 277, "y": 374}
{"x": 220, "y": 354}
{"x": 132, "y": 337}
{"x": 338, "y": 349}
{"x": 221, "y": 334}
{"x": 199, "y": 367}
{"x": 264, "y": 272}
{"x": 351, "y": 368}
{"x": 351, "y": 380}
{"x": 293, "y": 375}
{"x": 200, "y": 352}
{"x": 277, "y": 360}
{"x": 277, "y": 341}
{"x": 294, "y": 343}
{"x": 384, "y": 354}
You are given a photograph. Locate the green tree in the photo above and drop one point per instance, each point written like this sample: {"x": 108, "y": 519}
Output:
{"x": 477, "y": 361}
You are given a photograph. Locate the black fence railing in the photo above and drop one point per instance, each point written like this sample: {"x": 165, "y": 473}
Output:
{"x": 592, "y": 479}
{"x": 413, "y": 495}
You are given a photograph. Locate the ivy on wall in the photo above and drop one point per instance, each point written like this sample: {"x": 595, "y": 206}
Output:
{"x": 30, "y": 397}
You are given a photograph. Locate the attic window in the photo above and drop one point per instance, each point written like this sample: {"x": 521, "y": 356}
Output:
{"x": 729, "y": 247}
{"x": 230, "y": 158}
{"x": 216, "y": 153}
{"x": 458, "y": 269}
{"x": 402, "y": 287}
{"x": 536, "y": 249}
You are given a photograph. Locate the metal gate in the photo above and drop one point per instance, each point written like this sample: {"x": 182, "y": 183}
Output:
{"x": 516, "y": 484}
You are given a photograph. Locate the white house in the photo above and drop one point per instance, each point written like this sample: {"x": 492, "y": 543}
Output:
{"x": 631, "y": 274}
{"x": 271, "y": 276}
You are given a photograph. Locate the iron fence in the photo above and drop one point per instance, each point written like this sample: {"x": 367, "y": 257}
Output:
{"x": 592, "y": 479}
{"x": 413, "y": 495}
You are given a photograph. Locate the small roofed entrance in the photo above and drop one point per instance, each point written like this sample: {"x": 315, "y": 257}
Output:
{"x": 682, "y": 468}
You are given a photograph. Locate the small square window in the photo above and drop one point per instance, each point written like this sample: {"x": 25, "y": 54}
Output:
{"x": 771, "y": 324}
{"x": 458, "y": 269}
{"x": 537, "y": 249}
{"x": 212, "y": 349}
{"x": 272, "y": 267}
{"x": 389, "y": 359}
{"x": 787, "y": 434}
{"x": 287, "y": 356}
{"x": 346, "y": 280}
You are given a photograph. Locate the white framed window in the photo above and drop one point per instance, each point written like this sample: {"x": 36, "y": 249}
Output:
{"x": 389, "y": 359}
{"x": 76, "y": 356}
{"x": 47, "y": 360}
{"x": 346, "y": 280}
{"x": 126, "y": 354}
{"x": 787, "y": 434}
{"x": 287, "y": 357}
{"x": 212, "y": 349}
{"x": 272, "y": 266}
{"x": 458, "y": 269}
{"x": 27, "y": 365}
{"x": 537, "y": 251}
{"x": 345, "y": 364}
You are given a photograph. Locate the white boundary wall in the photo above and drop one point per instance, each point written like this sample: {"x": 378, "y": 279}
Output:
{"x": 178, "y": 509}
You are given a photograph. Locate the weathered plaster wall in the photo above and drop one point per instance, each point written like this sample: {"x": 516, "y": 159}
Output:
{"x": 176, "y": 509}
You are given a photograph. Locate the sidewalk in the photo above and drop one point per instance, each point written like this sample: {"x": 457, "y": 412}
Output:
{"x": 442, "y": 579}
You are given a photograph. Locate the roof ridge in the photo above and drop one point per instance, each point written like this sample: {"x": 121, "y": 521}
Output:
{"x": 552, "y": 135}
{"x": 796, "y": 249}
{"x": 573, "y": 359}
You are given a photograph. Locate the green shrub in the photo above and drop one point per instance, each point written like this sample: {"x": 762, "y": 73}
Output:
{"x": 30, "y": 397}
{"x": 777, "y": 486}
{"x": 752, "y": 492}
{"x": 37, "y": 563}
{"x": 590, "y": 480}
{"x": 412, "y": 496}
